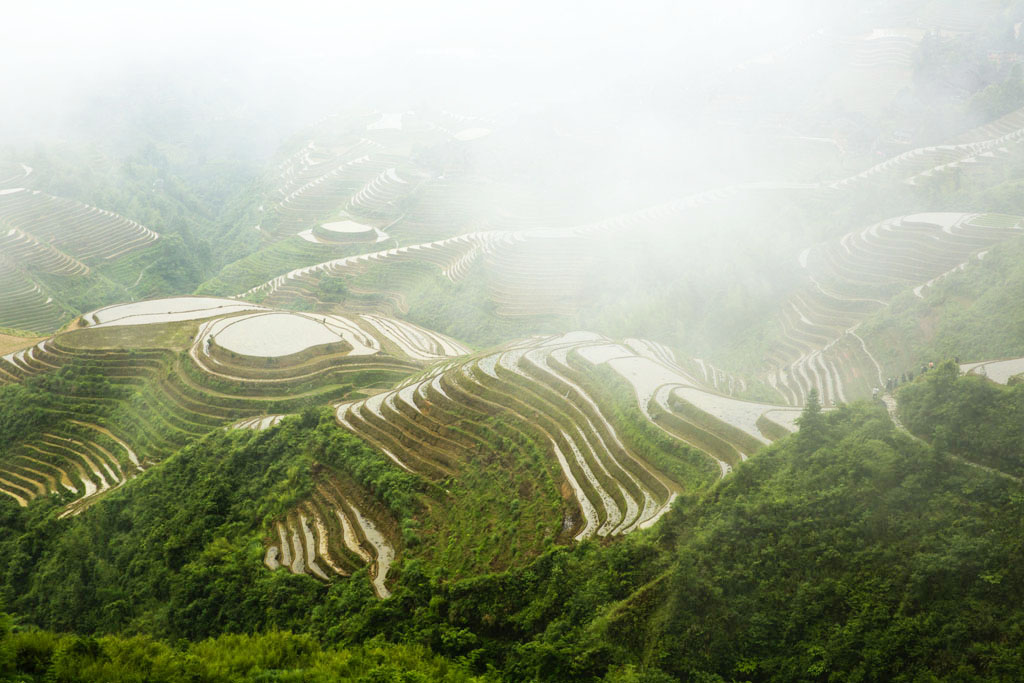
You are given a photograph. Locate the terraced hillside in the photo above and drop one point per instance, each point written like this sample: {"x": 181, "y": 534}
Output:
{"x": 533, "y": 269}
{"x": 78, "y": 460}
{"x": 874, "y": 67}
{"x": 52, "y": 252}
{"x": 422, "y": 424}
{"x": 574, "y": 390}
{"x": 319, "y": 182}
{"x": 534, "y": 277}
{"x": 361, "y": 166}
{"x": 451, "y": 425}
{"x": 552, "y": 272}
{"x": 536, "y": 272}
{"x": 25, "y": 305}
{"x": 83, "y": 232}
{"x": 14, "y": 174}
{"x": 361, "y": 178}
{"x": 275, "y": 258}
{"x": 451, "y": 256}
{"x": 140, "y": 380}
{"x": 333, "y": 535}
{"x": 379, "y": 219}
{"x": 850, "y": 278}
{"x": 157, "y": 374}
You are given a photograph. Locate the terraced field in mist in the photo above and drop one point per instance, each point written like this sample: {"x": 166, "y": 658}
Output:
{"x": 360, "y": 167}
{"x": 539, "y": 439}
{"x": 565, "y": 394}
{"x": 855, "y": 276}
{"x": 167, "y": 371}
{"x": 528, "y": 267}
{"x": 83, "y": 232}
{"x": 49, "y": 248}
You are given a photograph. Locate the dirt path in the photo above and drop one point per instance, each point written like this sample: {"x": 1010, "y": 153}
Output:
{"x": 141, "y": 273}
{"x": 890, "y": 406}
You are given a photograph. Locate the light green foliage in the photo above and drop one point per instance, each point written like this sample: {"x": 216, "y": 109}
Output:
{"x": 276, "y": 655}
{"x": 977, "y": 314}
{"x": 186, "y": 541}
{"x": 270, "y": 261}
{"x": 968, "y": 416}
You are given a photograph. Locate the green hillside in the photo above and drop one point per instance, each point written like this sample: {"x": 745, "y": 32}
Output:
{"x": 656, "y": 342}
{"x": 848, "y": 549}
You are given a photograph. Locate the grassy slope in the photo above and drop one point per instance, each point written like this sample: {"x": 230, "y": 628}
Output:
{"x": 976, "y": 314}
{"x": 274, "y": 259}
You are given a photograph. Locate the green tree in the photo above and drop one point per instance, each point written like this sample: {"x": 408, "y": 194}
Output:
{"x": 812, "y": 423}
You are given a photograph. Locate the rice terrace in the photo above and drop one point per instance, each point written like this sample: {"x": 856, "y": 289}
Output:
{"x": 637, "y": 344}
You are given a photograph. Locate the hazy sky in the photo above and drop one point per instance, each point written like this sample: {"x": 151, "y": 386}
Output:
{"x": 394, "y": 53}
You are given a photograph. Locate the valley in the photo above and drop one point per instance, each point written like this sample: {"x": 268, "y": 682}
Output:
{"x": 720, "y": 378}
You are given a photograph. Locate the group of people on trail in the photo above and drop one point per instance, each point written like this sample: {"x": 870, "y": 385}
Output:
{"x": 893, "y": 382}
{"x": 908, "y": 376}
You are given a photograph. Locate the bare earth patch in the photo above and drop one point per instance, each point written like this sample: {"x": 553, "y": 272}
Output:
{"x": 10, "y": 342}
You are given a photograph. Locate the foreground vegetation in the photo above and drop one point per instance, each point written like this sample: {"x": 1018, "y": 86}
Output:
{"x": 29, "y": 655}
{"x": 968, "y": 417}
{"x": 849, "y": 551}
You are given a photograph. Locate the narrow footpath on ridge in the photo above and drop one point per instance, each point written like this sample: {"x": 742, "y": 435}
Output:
{"x": 890, "y": 406}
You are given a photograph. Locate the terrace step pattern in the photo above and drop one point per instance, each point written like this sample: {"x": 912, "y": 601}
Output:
{"x": 320, "y": 185}
{"x": 973, "y": 158}
{"x": 1001, "y": 127}
{"x": 331, "y": 535}
{"x": 366, "y": 343}
{"x": 913, "y": 165}
{"x": 415, "y": 426}
{"x": 856, "y": 275}
{"x": 258, "y": 423}
{"x": 423, "y": 425}
{"x": 534, "y": 251}
{"x": 79, "y": 459}
{"x": 883, "y": 48}
{"x": 441, "y": 205}
{"x": 381, "y": 196}
{"x": 157, "y": 400}
{"x": 536, "y": 272}
{"x": 453, "y": 256}
{"x": 977, "y": 150}
{"x": 356, "y": 164}
{"x": 29, "y": 252}
{"x": 872, "y": 67}
{"x": 23, "y": 303}
{"x": 29, "y": 361}
{"x": 726, "y": 428}
{"x": 696, "y": 370}
{"x": 83, "y": 232}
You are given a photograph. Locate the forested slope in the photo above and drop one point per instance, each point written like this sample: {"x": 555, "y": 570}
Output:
{"x": 849, "y": 551}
